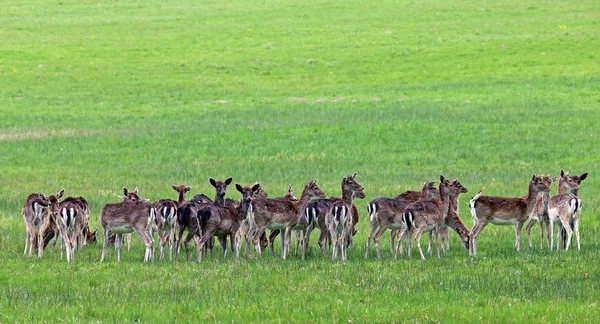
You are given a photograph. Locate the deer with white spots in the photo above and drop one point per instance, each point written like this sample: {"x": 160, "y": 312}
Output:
{"x": 386, "y": 213}
{"x": 70, "y": 220}
{"x": 563, "y": 232}
{"x": 126, "y": 217}
{"x": 505, "y": 211}
{"x": 565, "y": 208}
{"x": 187, "y": 219}
{"x": 426, "y": 216}
{"x": 35, "y": 215}
{"x": 283, "y": 214}
{"x": 540, "y": 215}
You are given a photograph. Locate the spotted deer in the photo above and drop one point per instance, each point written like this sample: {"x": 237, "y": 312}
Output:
{"x": 35, "y": 215}
{"x": 70, "y": 220}
{"x": 126, "y": 217}
{"x": 166, "y": 218}
{"x": 565, "y": 208}
{"x": 317, "y": 210}
{"x": 540, "y": 215}
{"x": 297, "y": 234}
{"x": 386, "y": 213}
{"x": 224, "y": 221}
{"x": 187, "y": 219}
{"x": 127, "y": 196}
{"x": 505, "y": 211}
{"x": 425, "y": 216}
{"x": 191, "y": 219}
{"x": 282, "y": 214}
{"x": 563, "y": 232}
{"x": 408, "y": 196}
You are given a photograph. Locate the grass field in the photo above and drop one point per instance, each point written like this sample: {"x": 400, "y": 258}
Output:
{"x": 95, "y": 96}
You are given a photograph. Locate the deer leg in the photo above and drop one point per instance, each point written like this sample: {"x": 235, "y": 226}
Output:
{"x": 272, "y": 237}
{"x": 370, "y": 237}
{"x": 118, "y": 242}
{"x": 548, "y": 233}
{"x": 178, "y": 241}
{"x": 186, "y": 243}
{"x": 40, "y": 242}
{"x": 256, "y": 240}
{"x": 567, "y": 227}
{"x": 322, "y": 238}
{"x": 382, "y": 228}
{"x": 393, "y": 234}
{"x": 223, "y": 242}
{"x": 474, "y": 233}
{"x": 429, "y": 249}
{"x": 528, "y": 231}
{"x": 418, "y": 233}
{"x": 105, "y": 243}
{"x": 437, "y": 241}
{"x": 576, "y": 230}
{"x": 518, "y": 228}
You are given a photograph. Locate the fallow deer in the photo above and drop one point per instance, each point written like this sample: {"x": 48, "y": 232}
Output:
{"x": 565, "y": 208}
{"x": 426, "y": 216}
{"x": 166, "y": 218}
{"x": 297, "y": 234}
{"x": 505, "y": 211}
{"x": 317, "y": 210}
{"x": 563, "y": 232}
{"x": 386, "y": 213}
{"x": 191, "y": 218}
{"x": 282, "y": 214}
{"x": 35, "y": 214}
{"x": 408, "y": 196}
{"x": 224, "y": 221}
{"x": 540, "y": 215}
{"x": 70, "y": 218}
{"x": 187, "y": 218}
{"x": 127, "y": 196}
{"x": 244, "y": 232}
{"x": 127, "y": 217}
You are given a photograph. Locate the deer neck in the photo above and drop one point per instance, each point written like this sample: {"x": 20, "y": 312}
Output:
{"x": 219, "y": 201}
{"x": 562, "y": 187}
{"x": 545, "y": 200}
{"x": 531, "y": 200}
{"x": 347, "y": 197}
{"x": 303, "y": 201}
{"x": 181, "y": 198}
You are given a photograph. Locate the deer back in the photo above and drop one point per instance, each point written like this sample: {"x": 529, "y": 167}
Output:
{"x": 134, "y": 214}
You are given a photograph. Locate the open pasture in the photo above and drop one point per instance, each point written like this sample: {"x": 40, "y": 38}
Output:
{"x": 95, "y": 96}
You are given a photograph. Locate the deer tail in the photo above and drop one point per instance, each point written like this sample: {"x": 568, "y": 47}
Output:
{"x": 472, "y": 204}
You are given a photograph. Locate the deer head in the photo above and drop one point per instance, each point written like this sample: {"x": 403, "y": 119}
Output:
{"x": 181, "y": 190}
{"x": 247, "y": 192}
{"x": 540, "y": 184}
{"x": 220, "y": 188}
{"x": 569, "y": 182}
{"x": 54, "y": 201}
{"x": 349, "y": 185}
{"x": 131, "y": 195}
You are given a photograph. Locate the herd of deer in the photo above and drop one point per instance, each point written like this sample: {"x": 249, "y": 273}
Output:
{"x": 431, "y": 210}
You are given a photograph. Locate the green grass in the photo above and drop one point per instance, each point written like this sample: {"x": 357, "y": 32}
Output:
{"x": 100, "y": 95}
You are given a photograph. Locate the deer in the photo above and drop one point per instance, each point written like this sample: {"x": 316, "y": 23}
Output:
{"x": 126, "y": 217}
{"x": 426, "y": 216}
{"x": 187, "y": 218}
{"x": 127, "y": 196}
{"x": 316, "y": 211}
{"x": 565, "y": 208}
{"x": 35, "y": 215}
{"x": 297, "y": 234}
{"x": 165, "y": 221}
{"x": 86, "y": 237}
{"x": 386, "y": 213}
{"x": 408, "y": 196}
{"x": 70, "y": 219}
{"x": 190, "y": 218}
{"x": 243, "y": 234}
{"x": 540, "y": 215}
{"x": 563, "y": 232}
{"x": 224, "y": 220}
{"x": 505, "y": 211}
{"x": 282, "y": 214}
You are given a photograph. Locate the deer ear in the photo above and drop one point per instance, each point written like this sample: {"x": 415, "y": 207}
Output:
{"x": 256, "y": 187}
{"x": 583, "y": 176}
{"x": 60, "y": 194}
{"x": 290, "y": 188}
{"x": 553, "y": 179}
{"x": 175, "y": 187}
{"x": 563, "y": 173}
{"x": 442, "y": 179}
{"x": 354, "y": 175}
{"x": 228, "y": 181}
{"x": 212, "y": 182}
{"x": 125, "y": 191}
{"x": 123, "y": 197}
{"x": 94, "y": 232}
{"x": 188, "y": 188}
{"x": 135, "y": 191}
{"x": 239, "y": 188}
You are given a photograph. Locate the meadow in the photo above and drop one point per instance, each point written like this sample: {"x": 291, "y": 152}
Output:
{"x": 97, "y": 96}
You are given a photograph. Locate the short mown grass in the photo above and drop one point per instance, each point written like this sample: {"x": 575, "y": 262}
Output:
{"x": 98, "y": 96}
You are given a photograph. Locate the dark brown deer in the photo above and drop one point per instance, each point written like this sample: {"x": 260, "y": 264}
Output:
{"x": 386, "y": 213}
{"x": 127, "y": 217}
{"x": 35, "y": 214}
{"x": 540, "y": 215}
{"x": 282, "y": 214}
{"x": 224, "y": 221}
{"x": 505, "y": 211}
{"x": 408, "y": 196}
{"x": 243, "y": 234}
{"x": 565, "y": 208}
{"x": 70, "y": 218}
{"x": 187, "y": 219}
{"x": 316, "y": 211}
{"x": 426, "y": 216}
{"x": 191, "y": 220}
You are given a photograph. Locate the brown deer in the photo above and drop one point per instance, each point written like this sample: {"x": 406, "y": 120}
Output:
{"x": 243, "y": 234}
{"x": 563, "y": 232}
{"x": 86, "y": 237}
{"x": 127, "y": 196}
{"x": 166, "y": 218}
{"x": 505, "y": 211}
{"x": 70, "y": 220}
{"x": 540, "y": 215}
{"x": 127, "y": 217}
{"x": 408, "y": 196}
{"x": 565, "y": 208}
{"x": 427, "y": 216}
{"x": 386, "y": 213}
{"x": 187, "y": 219}
{"x": 297, "y": 234}
{"x": 191, "y": 219}
{"x": 317, "y": 210}
{"x": 282, "y": 214}
{"x": 224, "y": 221}
{"x": 35, "y": 215}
